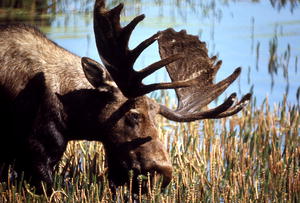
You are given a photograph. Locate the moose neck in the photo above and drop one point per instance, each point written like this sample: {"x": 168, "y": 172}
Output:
{"x": 84, "y": 109}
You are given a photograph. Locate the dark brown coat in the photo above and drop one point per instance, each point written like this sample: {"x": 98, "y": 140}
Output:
{"x": 49, "y": 96}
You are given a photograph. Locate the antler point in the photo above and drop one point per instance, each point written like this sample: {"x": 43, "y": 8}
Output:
{"x": 238, "y": 70}
{"x": 248, "y": 96}
{"x": 157, "y": 35}
{"x": 233, "y": 97}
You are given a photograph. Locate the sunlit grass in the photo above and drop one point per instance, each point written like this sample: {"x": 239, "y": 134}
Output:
{"x": 250, "y": 157}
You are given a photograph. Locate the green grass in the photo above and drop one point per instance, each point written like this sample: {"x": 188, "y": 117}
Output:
{"x": 253, "y": 156}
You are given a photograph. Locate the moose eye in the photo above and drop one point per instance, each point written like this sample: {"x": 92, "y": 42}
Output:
{"x": 133, "y": 118}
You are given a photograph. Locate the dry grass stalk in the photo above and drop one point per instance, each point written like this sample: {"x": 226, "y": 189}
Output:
{"x": 251, "y": 157}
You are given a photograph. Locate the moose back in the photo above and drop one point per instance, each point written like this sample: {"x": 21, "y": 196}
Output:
{"x": 49, "y": 96}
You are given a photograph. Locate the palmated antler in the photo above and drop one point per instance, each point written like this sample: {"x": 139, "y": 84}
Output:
{"x": 198, "y": 66}
{"x": 112, "y": 43}
{"x": 192, "y": 76}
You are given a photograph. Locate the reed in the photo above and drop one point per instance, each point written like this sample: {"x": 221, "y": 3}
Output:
{"x": 250, "y": 157}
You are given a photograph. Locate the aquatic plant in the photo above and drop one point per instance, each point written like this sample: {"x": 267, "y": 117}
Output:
{"x": 253, "y": 156}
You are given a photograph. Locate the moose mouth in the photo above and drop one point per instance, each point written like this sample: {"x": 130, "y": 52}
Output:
{"x": 138, "y": 171}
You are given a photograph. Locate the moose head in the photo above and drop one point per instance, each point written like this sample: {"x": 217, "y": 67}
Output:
{"x": 131, "y": 138}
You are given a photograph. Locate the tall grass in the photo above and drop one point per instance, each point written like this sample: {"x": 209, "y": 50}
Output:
{"x": 253, "y": 156}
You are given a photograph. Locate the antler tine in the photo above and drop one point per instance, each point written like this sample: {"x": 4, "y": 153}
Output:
{"x": 224, "y": 110}
{"x": 115, "y": 12}
{"x": 201, "y": 90}
{"x": 157, "y": 65}
{"x": 217, "y": 67}
{"x": 200, "y": 99}
{"x": 236, "y": 108}
{"x": 213, "y": 94}
{"x": 127, "y": 30}
{"x": 142, "y": 46}
{"x": 208, "y": 114}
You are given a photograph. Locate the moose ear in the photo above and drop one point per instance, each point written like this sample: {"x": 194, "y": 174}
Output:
{"x": 94, "y": 72}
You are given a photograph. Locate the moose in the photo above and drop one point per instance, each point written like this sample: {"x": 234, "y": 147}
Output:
{"x": 49, "y": 96}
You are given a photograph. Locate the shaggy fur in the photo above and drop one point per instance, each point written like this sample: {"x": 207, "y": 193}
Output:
{"x": 49, "y": 96}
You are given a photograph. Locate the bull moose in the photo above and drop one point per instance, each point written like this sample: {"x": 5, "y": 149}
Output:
{"x": 49, "y": 96}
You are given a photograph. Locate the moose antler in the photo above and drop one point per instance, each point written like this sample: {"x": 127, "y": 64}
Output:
{"x": 192, "y": 76}
{"x": 112, "y": 43}
{"x": 197, "y": 65}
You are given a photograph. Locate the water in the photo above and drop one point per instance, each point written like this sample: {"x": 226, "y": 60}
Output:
{"x": 262, "y": 39}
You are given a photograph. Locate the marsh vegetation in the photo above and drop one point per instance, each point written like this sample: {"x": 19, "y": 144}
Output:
{"x": 250, "y": 157}
{"x": 253, "y": 156}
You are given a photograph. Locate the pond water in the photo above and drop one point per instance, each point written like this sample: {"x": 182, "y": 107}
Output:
{"x": 262, "y": 38}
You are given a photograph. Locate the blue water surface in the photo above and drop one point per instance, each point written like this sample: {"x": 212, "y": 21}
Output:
{"x": 240, "y": 33}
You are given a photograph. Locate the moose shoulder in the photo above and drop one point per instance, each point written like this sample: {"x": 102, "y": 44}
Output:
{"x": 50, "y": 96}
{"x": 43, "y": 92}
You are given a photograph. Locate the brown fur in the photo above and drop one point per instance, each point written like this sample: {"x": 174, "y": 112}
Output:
{"x": 50, "y": 96}
{"x": 25, "y": 51}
